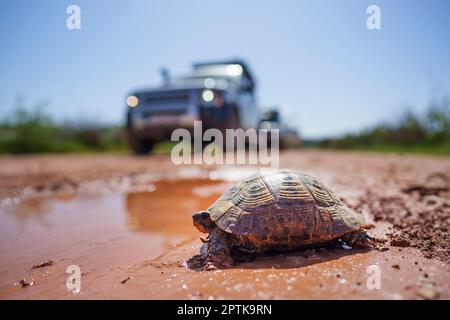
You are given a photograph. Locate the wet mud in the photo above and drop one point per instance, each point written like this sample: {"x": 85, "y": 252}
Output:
{"x": 131, "y": 234}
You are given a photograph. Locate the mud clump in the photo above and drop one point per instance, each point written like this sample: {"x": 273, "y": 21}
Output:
{"x": 420, "y": 215}
{"x": 43, "y": 265}
{"x": 25, "y": 283}
{"x": 125, "y": 280}
{"x": 400, "y": 242}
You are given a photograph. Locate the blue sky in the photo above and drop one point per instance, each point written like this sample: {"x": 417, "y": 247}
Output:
{"x": 315, "y": 59}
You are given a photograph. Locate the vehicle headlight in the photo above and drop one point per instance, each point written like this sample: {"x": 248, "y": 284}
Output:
{"x": 208, "y": 95}
{"x": 132, "y": 101}
{"x": 234, "y": 70}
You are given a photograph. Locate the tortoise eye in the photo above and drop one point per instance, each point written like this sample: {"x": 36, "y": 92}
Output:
{"x": 205, "y": 214}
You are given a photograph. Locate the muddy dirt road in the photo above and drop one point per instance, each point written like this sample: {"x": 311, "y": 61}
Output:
{"x": 126, "y": 222}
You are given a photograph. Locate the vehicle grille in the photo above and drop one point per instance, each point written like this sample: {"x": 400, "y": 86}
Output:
{"x": 173, "y": 102}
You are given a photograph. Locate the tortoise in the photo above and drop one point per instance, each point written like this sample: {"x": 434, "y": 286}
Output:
{"x": 275, "y": 212}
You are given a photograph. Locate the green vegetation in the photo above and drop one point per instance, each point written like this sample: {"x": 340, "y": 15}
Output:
{"x": 35, "y": 132}
{"x": 27, "y": 132}
{"x": 417, "y": 133}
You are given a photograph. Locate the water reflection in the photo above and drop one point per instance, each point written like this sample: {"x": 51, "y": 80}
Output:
{"x": 168, "y": 209}
{"x": 32, "y": 211}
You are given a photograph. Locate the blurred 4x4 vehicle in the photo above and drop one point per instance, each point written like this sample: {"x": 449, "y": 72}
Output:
{"x": 220, "y": 94}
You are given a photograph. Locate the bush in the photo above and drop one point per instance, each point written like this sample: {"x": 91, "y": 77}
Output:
{"x": 35, "y": 132}
{"x": 428, "y": 133}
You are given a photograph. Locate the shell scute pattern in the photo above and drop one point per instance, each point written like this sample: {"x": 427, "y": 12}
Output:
{"x": 229, "y": 221}
{"x": 224, "y": 203}
{"x": 323, "y": 225}
{"x": 246, "y": 223}
{"x": 291, "y": 193}
{"x": 253, "y": 196}
{"x": 282, "y": 206}
{"x": 318, "y": 191}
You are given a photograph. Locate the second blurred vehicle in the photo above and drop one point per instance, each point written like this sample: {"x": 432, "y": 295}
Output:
{"x": 271, "y": 120}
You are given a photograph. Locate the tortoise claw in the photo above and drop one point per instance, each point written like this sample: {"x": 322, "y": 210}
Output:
{"x": 209, "y": 266}
{"x": 204, "y": 240}
{"x": 366, "y": 242}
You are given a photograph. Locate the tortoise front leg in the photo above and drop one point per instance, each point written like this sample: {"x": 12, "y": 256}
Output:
{"x": 215, "y": 252}
{"x": 218, "y": 251}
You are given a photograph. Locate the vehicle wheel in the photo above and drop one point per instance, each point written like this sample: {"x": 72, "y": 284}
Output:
{"x": 140, "y": 147}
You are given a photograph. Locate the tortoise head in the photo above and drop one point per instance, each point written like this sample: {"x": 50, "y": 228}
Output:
{"x": 202, "y": 221}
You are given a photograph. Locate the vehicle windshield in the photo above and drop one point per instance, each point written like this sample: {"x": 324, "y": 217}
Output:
{"x": 218, "y": 70}
{"x": 211, "y": 76}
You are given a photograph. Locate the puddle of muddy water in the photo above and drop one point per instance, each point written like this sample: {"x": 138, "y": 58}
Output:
{"x": 99, "y": 232}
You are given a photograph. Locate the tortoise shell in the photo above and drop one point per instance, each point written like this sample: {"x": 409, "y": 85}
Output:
{"x": 283, "y": 205}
